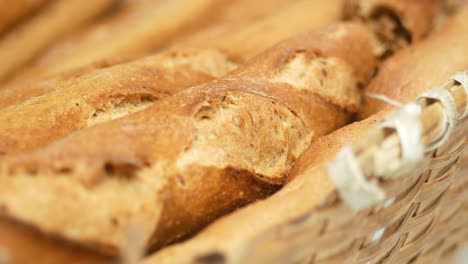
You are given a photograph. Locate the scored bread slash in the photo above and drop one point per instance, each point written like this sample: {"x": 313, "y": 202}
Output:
{"x": 121, "y": 87}
{"x": 238, "y": 40}
{"x": 197, "y": 154}
{"x": 103, "y": 95}
{"x": 396, "y": 23}
{"x": 285, "y": 226}
{"x": 415, "y": 69}
{"x": 26, "y": 41}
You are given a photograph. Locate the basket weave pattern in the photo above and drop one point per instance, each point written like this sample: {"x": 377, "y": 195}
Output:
{"x": 423, "y": 219}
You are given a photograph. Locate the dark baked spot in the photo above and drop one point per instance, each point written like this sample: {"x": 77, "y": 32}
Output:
{"x": 324, "y": 73}
{"x": 180, "y": 179}
{"x": 32, "y": 171}
{"x": 114, "y": 221}
{"x": 210, "y": 258}
{"x": 65, "y": 170}
{"x": 121, "y": 168}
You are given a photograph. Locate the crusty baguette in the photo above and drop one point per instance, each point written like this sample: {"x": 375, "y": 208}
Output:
{"x": 13, "y": 93}
{"x": 242, "y": 41}
{"x": 232, "y": 13}
{"x": 396, "y": 23}
{"x": 104, "y": 95}
{"x": 197, "y": 154}
{"x": 422, "y": 66}
{"x": 135, "y": 29}
{"x": 30, "y": 38}
{"x": 11, "y": 11}
{"x": 236, "y": 42}
{"x": 18, "y": 136}
{"x": 235, "y": 237}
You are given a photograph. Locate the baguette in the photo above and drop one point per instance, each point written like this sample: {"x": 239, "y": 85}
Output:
{"x": 117, "y": 27}
{"x": 231, "y": 13}
{"x": 14, "y": 93}
{"x": 138, "y": 27}
{"x": 104, "y": 95}
{"x": 29, "y": 39}
{"x": 234, "y": 238}
{"x": 421, "y": 66}
{"x": 63, "y": 118}
{"x": 237, "y": 44}
{"x": 24, "y": 135}
{"x": 241, "y": 42}
{"x": 197, "y": 154}
{"x": 13, "y": 11}
{"x": 396, "y": 23}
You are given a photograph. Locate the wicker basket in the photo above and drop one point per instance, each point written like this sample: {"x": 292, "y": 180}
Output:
{"x": 425, "y": 221}
{"x": 422, "y": 218}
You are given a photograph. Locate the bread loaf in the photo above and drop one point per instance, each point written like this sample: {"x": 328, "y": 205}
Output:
{"x": 136, "y": 28}
{"x": 229, "y": 37}
{"x": 53, "y": 115}
{"x": 235, "y": 237}
{"x": 421, "y": 66}
{"x": 14, "y": 93}
{"x": 396, "y": 23}
{"x": 242, "y": 41}
{"x": 26, "y": 41}
{"x": 184, "y": 161}
{"x": 103, "y": 95}
{"x": 13, "y": 11}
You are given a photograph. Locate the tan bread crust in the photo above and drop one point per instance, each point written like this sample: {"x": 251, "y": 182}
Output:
{"x": 228, "y": 11}
{"x": 21, "y": 245}
{"x": 177, "y": 165}
{"x": 232, "y": 13}
{"x": 242, "y": 42}
{"x": 12, "y": 11}
{"x": 27, "y": 41}
{"x": 238, "y": 43}
{"x": 232, "y": 237}
{"x": 396, "y": 23}
{"x": 15, "y": 93}
{"x": 422, "y": 66}
{"x": 135, "y": 29}
{"x": 102, "y": 95}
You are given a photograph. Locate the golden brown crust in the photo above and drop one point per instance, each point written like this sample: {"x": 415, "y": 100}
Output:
{"x": 242, "y": 41}
{"x": 231, "y": 13}
{"x": 14, "y": 93}
{"x": 135, "y": 29}
{"x": 30, "y": 38}
{"x": 11, "y": 11}
{"x": 102, "y": 95}
{"x": 234, "y": 236}
{"x": 21, "y": 244}
{"x": 193, "y": 156}
{"x": 422, "y": 66}
{"x": 396, "y": 23}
